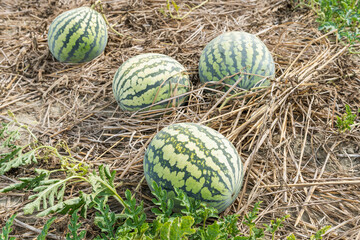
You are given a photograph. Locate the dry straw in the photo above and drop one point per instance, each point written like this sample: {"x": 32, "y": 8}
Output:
{"x": 297, "y": 161}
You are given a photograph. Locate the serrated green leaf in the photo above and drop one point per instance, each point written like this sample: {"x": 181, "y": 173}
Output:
{"x": 6, "y": 230}
{"x": 177, "y": 228}
{"x": 74, "y": 228}
{"x": 15, "y": 159}
{"x": 45, "y": 229}
{"x": 213, "y": 231}
{"x": 106, "y": 218}
{"x": 45, "y": 194}
{"x": 26, "y": 183}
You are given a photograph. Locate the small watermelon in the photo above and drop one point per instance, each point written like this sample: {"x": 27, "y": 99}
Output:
{"x": 150, "y": 78}
{"x": 77, "y": 36}
{"x": 196, "y": 159}
{"x": 235, "y": 52}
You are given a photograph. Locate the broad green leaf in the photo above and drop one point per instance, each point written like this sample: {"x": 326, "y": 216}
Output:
{"x": 177, "y": 228}
{"x": 213, "y": 231}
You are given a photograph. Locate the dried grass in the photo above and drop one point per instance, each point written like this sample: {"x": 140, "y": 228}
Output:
{"x": 297, "y": 162}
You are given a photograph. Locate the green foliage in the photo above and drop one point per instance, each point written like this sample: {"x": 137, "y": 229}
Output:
{"x": 275, "y": 225}
{"x": 28, "y": 183}
{"x": 165, "y": 204}
{"x": 45, "y": 229}
{"x": 135, "y": 216}
{"x": 107, "y": 220}
{"x": 194, "y": 208}
{"x": 6, "y": 230}
{"x": 346, "y": 120}
{"x": 343, "y": 16}
{"x": 14, "y": 155}
{"x": 177, "y": 228}
{"x": 191, "y": 220}
{"x": 291, "y": 237}
{"x": 318, "y": 234}
{"x": 74, "y": 228}
{"x": 254, "y": 233}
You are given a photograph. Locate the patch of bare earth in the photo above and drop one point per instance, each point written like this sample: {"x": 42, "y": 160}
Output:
{"x": 297, "y": 162}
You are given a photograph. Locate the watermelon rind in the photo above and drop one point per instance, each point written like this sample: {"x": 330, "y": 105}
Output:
{"x": 78, "y": 35}
{"x": 150, "y": 81}
{"x": 235, "y": 55}
{"x": 196, "y": 159}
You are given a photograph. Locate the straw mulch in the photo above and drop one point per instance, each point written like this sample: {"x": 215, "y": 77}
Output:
{"x": 297, "y": 162}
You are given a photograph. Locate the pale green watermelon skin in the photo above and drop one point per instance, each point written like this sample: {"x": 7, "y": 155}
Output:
{"x": 198, "y": 160}
{"x": 235, "y": 52}
{"x": 77, "y": 36}
{"x": 150, "y": 78}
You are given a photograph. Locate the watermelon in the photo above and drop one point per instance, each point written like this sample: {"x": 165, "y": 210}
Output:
{"x": 196, "y": 159}
{"x": 77, "y": 36}
{"x": 234, "y": 52}
{"x": 150, "y": 78}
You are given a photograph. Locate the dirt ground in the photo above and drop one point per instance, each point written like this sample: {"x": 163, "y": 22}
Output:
{"x": 297, "y": 162}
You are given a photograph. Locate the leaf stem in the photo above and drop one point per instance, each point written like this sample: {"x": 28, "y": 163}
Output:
{"x": 116, "y": 195}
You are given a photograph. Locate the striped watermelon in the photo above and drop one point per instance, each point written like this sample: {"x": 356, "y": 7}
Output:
{"x": 150, "y": 78}
{"x": 196, "y": 159}
{"x": 77, "y": 36}
{"x": 235, "y": 52}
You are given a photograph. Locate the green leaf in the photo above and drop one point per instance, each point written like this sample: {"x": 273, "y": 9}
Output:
{"x": 275, "y": 225}
{"x": 106, "y": 218}
{"x": 15, "y": 159}
{"x": 134, "y": 213}
{"x": 291, "y": 237}
{"x": 47, "y": 193}
{"x": 81, "y": 203}
{"x": 177, "y": 228}
{"x": 12, "y": 155}
{"x": 74, "y": 228}
{"x": 28, "y": 183}
{"x": 161, "y": 199}
{"x": 6, "y": 230}
{"x": 251, "y": 216}
{"x": 45, "y": 229}
{"x": 346, "y": 120}
{"x": 213, "y": 232}
{"x": 9, "y": 137}
{"x": 229, "y": 225}
{"x": 195, "y": 208}
{"x": 340, "y": 15}
{"x": 175, "y": 5}
{"x": 318, "y": 234}
{"x": 258, "y": 233}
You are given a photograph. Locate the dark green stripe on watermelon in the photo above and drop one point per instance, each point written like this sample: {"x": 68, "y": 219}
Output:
{"x": 61, "y": 20}
{"x": 77, "y": 36}
{"x": 235, "y": 52}
{"x": 196, "y": 159}
{"x": 150, "y": 78}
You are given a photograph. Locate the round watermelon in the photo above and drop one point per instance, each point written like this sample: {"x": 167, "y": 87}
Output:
{"x": 235, "y": 52}
{"x": 77, "y": 36}
{"x": 196, "y": 159}
{"x": 150, "y": 78}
